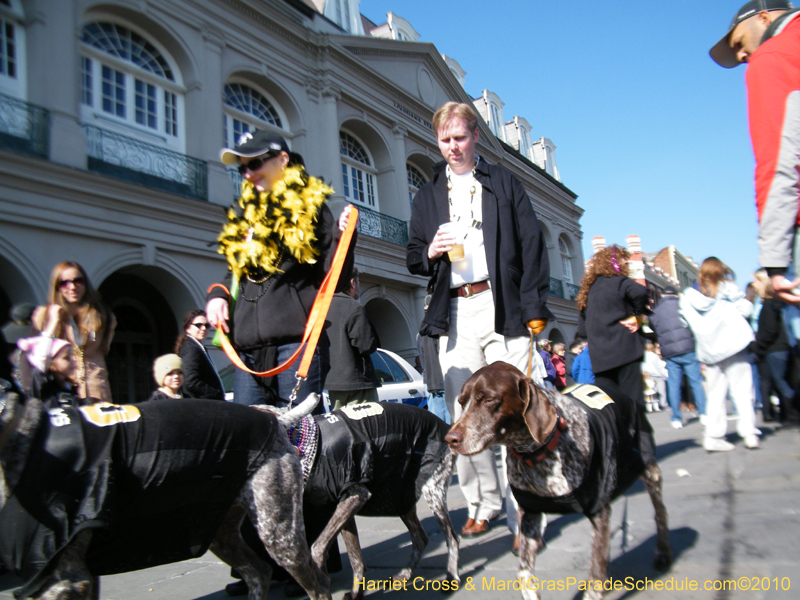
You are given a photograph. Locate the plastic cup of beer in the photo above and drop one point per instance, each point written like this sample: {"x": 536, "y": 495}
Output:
{"x": 456, "y": 252}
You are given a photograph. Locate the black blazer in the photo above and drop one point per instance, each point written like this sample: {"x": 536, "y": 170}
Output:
{"x": 519, "y": 269}
{"x": 200, "y": 377}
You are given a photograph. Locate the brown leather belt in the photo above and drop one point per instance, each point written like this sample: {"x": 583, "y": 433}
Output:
{"x": 469, "y": 289}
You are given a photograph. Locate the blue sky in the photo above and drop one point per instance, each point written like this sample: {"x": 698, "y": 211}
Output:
{"x": 650, "y": 133}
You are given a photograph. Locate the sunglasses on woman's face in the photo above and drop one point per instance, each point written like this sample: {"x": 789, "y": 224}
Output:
{"x": 77, "y": 282}
{"x": 201, "y": 325}
{"x": 255, "y": 164}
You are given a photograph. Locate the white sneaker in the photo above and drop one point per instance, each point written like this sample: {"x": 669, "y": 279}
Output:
{"x": 677, "y": 424}
{"x": 702, "y": 419}
{"x": 751, "y": 442}
{"x": 716, "y": 445}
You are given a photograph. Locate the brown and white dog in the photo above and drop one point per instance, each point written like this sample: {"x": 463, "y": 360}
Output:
{"x": 568, "y": 453}
{"x": 106, "y": 489}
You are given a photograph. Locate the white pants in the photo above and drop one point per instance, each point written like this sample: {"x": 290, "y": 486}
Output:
{"x": 472, "y": 343}
{"x": 733, "y": 374}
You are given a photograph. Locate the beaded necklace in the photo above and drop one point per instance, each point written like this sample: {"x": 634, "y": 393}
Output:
{"x": 472, "y": 189}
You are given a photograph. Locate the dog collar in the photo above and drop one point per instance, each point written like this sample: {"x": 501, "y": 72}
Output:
{"x": 549, "y": 445}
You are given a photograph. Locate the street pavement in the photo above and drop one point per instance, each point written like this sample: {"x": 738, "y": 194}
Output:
{"x": 733, "y": 519}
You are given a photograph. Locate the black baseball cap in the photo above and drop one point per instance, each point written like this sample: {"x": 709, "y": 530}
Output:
{"x": 722, "y": 53}
{"x": 254, "y": 143}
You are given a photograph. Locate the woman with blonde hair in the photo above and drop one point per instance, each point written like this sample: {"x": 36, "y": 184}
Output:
{"x": 717, "y": 312}
{"x": 83, "y": 320}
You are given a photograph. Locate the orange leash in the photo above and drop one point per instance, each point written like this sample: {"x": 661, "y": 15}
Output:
{"x": 316, "y": 318}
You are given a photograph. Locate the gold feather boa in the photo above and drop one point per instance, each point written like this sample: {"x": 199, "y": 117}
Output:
{"x": 283, "y": 218}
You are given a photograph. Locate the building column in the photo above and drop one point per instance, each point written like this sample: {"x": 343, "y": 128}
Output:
{"x": 205, "y": 142}
{"x": 403, "y": 208}
{"x": 53, "y": 61}
{"x": 329, "y": 139}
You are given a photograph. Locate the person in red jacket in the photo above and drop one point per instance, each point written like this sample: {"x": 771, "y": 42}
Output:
{"x": 766, "y": 35}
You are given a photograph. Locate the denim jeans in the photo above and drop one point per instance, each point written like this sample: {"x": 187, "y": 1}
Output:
{"x": 438, "y": 406}
{"x": 246, "y": 389}
{"x": 778, "y": 365}
{"x": 676, "y": 367}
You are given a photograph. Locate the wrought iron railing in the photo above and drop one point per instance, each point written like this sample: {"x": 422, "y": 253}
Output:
{"x": 382, "y": 227}
{"x": 24, "y": 127}
{"x": 556, "y": 287}
{"x": 139, "y": 162}
{"x": 236, "y": 179}
{"x": 562, "y": 289}
{"x": 573, "y": 290}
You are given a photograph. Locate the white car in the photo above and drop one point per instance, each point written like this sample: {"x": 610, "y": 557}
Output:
{"x": 400, "y": 382}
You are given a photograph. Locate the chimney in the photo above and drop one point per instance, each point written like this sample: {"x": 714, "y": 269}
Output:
{"x": 634, "y": 243}
{"x": 635, "y": 264}
{"x": 598, "y": 243}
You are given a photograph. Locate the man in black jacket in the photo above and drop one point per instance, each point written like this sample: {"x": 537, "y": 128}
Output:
{"x": 483, "y": 305}
{"x": 677, "y": 350}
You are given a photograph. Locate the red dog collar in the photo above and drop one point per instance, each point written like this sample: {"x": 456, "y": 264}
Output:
{"x": 549, "y": 445}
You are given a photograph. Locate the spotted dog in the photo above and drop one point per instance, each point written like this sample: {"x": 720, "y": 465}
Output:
{"x": 375, "y": 460}
{"x": 568, "y": 453}
{"x": 105, "y": 489}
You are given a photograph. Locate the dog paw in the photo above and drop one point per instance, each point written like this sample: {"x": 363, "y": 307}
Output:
{"x": 353, "y": 595}
{"x": 662, "y": 561}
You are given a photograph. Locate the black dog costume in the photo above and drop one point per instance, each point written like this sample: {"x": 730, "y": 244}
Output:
{"x": 621, "y": 446}
{"x": 167, "y": 470}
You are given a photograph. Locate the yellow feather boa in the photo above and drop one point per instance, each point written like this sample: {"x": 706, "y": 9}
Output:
{"x": 283, "y": 218}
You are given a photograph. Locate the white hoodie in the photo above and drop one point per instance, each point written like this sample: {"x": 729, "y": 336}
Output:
{"x": 719, "y": 324}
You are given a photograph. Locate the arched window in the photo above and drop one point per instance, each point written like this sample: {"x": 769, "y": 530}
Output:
{"x": 128, "y": 82}
{"x": 247, "y": 109}
{"x": 566, "y": 260}
{"x": 415, "y": 180}
{"x": 12, "y": 49}
{"x": 358, "y": 174}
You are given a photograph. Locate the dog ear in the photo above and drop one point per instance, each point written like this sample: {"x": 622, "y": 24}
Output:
{"x": 539, "y": 414}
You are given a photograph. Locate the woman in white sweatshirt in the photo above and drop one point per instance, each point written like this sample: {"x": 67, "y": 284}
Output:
{"x": 717, "y": 311}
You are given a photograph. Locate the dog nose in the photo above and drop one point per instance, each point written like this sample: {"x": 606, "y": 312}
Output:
{"x": 454, "y": 437}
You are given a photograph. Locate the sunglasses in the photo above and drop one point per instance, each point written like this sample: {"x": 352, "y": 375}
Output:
{"x": 256, "y": 163}
{"x": 77, "y": 282}
{"x": 201, "y": 325}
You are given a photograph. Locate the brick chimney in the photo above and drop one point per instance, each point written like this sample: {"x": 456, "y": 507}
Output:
{"x": 598, "y": 243}
{"x": 636, "y": 265}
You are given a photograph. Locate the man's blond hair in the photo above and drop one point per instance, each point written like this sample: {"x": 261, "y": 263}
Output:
{"x": 455, "y": 110}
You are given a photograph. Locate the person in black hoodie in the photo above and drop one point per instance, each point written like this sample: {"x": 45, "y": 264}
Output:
{"x": 774, "y": 350}
{"x": 352, "y": 377}
{"x": 279, "y": 242}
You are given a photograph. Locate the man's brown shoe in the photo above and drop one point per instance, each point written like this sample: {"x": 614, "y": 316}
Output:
{"x": 470, "y": 523}
{"x": 474, "y": 528}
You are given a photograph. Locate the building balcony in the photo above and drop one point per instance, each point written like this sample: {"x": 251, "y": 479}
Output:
{"x": 138, "y": 162}
{"x": 562, "y": 289}
{"x": 24, "y": 127}
{"x": 382, "y": 227}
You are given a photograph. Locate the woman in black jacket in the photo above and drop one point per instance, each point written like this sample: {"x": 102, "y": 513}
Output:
{"x": 201, "y": 377}
{"x": 610, "y": 304}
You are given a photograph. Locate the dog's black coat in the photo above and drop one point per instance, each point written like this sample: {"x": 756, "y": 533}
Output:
{"x": 130, "y": 479}
{"x": 392, "y": 449}
{"x": 622, "y": 445}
